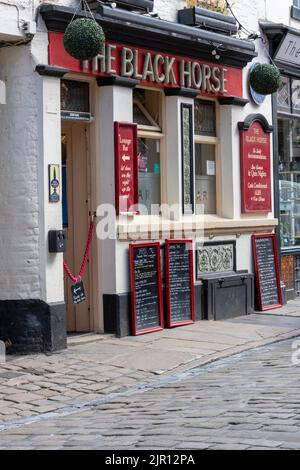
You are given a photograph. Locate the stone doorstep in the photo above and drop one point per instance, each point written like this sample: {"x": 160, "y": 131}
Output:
{"x": 85, "y": 338}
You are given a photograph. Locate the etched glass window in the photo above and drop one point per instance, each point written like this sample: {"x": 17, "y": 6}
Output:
{"x": 296, "y": 96}
{"x": 284, "y": 96}
{"x": 75, "y": 96}
{"x": 205, "y": 118}
{"x": 205, "y": 157}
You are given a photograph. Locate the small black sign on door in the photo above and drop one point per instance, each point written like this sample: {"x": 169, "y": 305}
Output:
{"x": 78, "y": 293}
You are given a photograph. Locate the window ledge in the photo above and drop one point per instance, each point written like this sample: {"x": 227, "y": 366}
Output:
{"x": 156, "y": 227}
{"x": 295, "y": 13}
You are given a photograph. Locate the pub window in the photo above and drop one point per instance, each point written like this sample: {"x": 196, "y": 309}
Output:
{"x": 297, "y": 3}
{"x": 288, "y": 103}
{"x": 205, "y": 155}
{"x": 75, "y": 100}
{"x": 284, "y": 96}
{"x": 147, "y": 114}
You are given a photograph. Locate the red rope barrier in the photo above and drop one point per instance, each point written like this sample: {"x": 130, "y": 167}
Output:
{"x": 85, "y": 258}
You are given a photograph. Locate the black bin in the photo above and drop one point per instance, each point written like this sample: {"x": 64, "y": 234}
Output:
{"x": 227, "y": 296}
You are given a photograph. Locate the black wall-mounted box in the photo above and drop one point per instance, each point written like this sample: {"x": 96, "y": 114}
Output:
{"x": 57, "y": 241}
{"x": 227, "y": 295}
{"x": 206, "y": 19}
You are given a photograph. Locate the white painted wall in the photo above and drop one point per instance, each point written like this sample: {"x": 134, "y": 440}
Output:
{"x": 19, "y": 202}
{"x": 247, "y": 11}
{"x": 50, "y": 214}
{"x": 114, "y": 104}
{"x": 29, "y": 140}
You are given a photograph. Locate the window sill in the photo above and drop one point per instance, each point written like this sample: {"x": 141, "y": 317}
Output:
{"x": 290, "y": 250}
{"x": 156, "y": 227}
{"x": 295, "y": 13}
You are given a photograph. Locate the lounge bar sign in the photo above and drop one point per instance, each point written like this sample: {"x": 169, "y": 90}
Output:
{"x": 126, "y": 157}
{"x": 255, "y": 157}
{"x": 151, "y": 68}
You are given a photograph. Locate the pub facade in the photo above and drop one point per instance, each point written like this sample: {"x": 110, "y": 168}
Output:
{"x": 155, "y": 140}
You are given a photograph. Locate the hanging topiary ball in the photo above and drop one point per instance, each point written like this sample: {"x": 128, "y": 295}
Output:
{"x": 84, "y": 38}
{"x": 265, "y": 79}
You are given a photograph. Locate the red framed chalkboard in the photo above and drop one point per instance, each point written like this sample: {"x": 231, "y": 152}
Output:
{"x": 180, "y": 282}
{"x": 126, "y": 167}
{"x": 146, "y": 287}
{"x": 267, "y": 275}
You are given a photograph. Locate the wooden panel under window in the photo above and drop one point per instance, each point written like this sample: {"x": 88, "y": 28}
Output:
{"x": 288, "y": 271}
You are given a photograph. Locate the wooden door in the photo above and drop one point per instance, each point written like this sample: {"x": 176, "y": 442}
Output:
{"x": 75, "y": 166}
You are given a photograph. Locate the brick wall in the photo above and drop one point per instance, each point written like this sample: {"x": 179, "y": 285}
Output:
{"x": 19, "y": 205}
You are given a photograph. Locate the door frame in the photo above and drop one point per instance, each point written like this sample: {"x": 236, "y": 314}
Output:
{"x": 68, "y": 128}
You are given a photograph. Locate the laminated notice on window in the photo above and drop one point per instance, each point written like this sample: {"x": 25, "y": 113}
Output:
{"x": 210, "y": 168}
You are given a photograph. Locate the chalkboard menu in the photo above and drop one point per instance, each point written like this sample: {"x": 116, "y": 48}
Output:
{"x": 266, "y": 271}
{"x": 146, "y": 288}
{"x": 179, "y": 282}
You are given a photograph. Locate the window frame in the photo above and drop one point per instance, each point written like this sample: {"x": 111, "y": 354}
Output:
{"x": 154, "y": 132}
{"x": 210, "y": 140}
{"x": 291, "y": 111}
{"x": 154, "y": 127}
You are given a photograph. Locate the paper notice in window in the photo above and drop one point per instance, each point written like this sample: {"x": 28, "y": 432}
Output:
{"x": 210, "y": 168}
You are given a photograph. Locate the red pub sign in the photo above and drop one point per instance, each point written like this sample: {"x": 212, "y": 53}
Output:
{"x": 151, "y": 68}
{"x": 126, "y": 166}
{"x": 255, "y": 158}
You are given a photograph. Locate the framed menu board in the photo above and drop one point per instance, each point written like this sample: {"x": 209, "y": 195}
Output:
{"x": 146, "y": 287}
{"x": 126, "y": 171}
{"x": 179, "y": 282}
{"x": 266, "y": 271}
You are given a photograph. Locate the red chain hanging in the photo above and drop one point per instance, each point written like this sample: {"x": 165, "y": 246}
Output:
{"x": 85, "y": 258}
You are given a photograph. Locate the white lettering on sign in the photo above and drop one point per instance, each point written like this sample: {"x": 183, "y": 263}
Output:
{"x": 160, "y": 69}
{"x": 289, "y": 50}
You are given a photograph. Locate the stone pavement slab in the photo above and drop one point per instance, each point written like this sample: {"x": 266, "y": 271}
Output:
{"x": 95, "y": 366}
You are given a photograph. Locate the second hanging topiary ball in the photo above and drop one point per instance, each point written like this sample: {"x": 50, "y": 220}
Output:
{"x": 84, "y": 38}
{"x": 265, "y": 79}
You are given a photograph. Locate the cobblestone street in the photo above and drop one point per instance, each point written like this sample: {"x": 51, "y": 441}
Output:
{"x": 95, "y": 366}
{"x": 249, "y": 401}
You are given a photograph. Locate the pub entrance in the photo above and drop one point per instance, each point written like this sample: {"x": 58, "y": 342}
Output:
{"x": 75, "y": 209}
